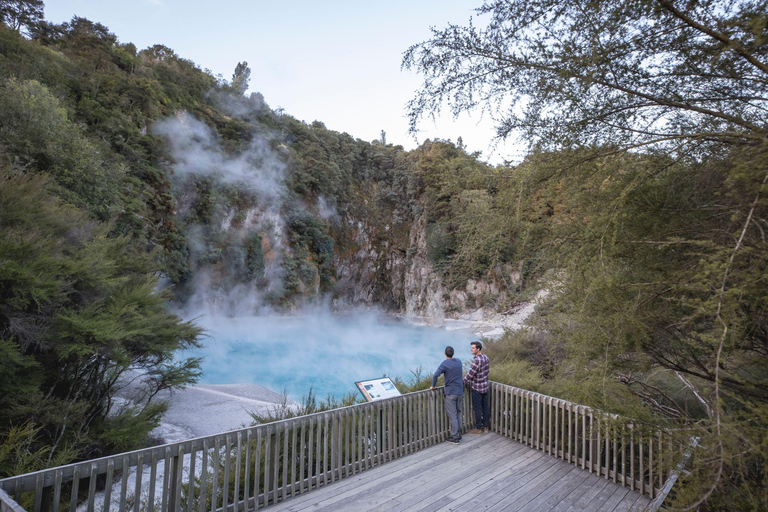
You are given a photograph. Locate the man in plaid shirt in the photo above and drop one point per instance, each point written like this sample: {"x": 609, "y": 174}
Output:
{"x": 478, "y": 381}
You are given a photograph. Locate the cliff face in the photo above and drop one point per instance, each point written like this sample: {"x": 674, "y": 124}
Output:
{"x": 291, "y": 215}
{"x": 397, "y": 273}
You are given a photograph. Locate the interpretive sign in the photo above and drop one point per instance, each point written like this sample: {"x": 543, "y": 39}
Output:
{"x": 377, "y": 389}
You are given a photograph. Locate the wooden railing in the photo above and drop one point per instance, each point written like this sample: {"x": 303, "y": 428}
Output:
{"x": 244, "y": 469}
{"x": 597, "y": 442}
{"x": 7, "y": 504}
{"x": 258, "y": 466}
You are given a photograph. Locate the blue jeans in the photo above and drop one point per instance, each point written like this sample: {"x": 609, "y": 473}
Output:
{"x": 481, "y": 404}
{"x": 453, "y": 409}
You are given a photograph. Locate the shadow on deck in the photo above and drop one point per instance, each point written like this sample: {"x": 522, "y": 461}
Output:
{"x": 484, "y": 472}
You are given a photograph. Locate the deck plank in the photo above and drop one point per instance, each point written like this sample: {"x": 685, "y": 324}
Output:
{"x": 484, "y": 472}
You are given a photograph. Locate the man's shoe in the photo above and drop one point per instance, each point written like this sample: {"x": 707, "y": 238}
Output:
{"x": 452, "y": 440}
{"x": 474, "y": 431}
{"x": 485, "y": 429}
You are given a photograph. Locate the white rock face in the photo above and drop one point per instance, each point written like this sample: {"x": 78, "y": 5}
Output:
{"x": 406, "y": 278}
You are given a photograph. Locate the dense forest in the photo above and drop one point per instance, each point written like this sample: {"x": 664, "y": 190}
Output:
{"x": 131, "y": 180}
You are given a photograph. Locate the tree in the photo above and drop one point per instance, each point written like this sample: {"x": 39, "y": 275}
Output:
{"x": 241, "y": 78}
{"x": 646, "y": 193}
{"x": 79, "y": 312}
{"x": 643, "y": 72}
{"x": 21, "y": 14}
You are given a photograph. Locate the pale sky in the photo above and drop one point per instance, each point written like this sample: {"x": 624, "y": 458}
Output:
{"x": 335, "y": 61}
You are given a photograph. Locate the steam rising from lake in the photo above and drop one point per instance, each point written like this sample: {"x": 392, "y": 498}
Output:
{"x": 324, "y": 352}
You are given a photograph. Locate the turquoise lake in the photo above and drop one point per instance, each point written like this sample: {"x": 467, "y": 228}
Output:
{"x": 327, "y": 353}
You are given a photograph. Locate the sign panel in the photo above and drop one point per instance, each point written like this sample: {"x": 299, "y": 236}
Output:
{"x": 377, "y": 389}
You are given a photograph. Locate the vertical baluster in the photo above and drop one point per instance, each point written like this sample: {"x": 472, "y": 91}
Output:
{"x": 302, "y": 457}
{"x": 558, "y": 428}
{"x": 615, "y": 454}
{"x": 367, "y": 436}
{"x": 428, "y": 423}
{"x": 285, "y": 460}
{"x": 334, "y": 444}
{"x": 107, "y": 487}
{"x": 76, "y": 488}
{"x": 57, "y": 478}
{"x": 246, "y": 473}
{"x": 344, "y": 436}
{"x": 661, "y": 462}
{"x": 294, "y": 454}
{"x": 178, "y": 470}
{"x": 192, "y": 468}
{"x": 39, "y": 493}
{"x": 91, "y": 490}
{"x": 378, "y": 424}
{"x": 570, "y": 418}
{"x": 408, "y": 416}
{"x": 530, "y": 423}
{"x": 526, "y": 416}
{"x": 215, "y": 468}
{"x": 214, "y": 475}
{"x": 326, "y": 435}
{"x": 153, "y": 482}
{"x": 227, "y": 465}
{"x": 311, "y": 473}
{"x": 503, "y": 410}
{"x": 203, "y": 476}
{"x": 276, "y": 459}
{"x": 423, "y": 413}
{"x": 599, "y": 446}
{"x": 360, "y": 421}
{"x": 318, "y": 449}
{"x": 641, "y": 452}
{"x": 418, "y": 425}
{"x": 540, "y": 422}
{"x": 267, "y": 465}
{"x": 136, "y": 488}
{"x": 257, "y": 468}
{"x": 238, "y": 462}
{"x": 123, "y": 484}
{"x": 549, "y": 424}
{"x": 391, "y": 436}
{"x": 623, "y": 455}
{"x": 650, "y": 466}
{"x": 520, "y": 416}
{"x": 512, "y": 427}
{"x": 632, "y": 456}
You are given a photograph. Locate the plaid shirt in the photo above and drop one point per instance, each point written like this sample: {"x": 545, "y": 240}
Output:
{"x": 477, "y": 376}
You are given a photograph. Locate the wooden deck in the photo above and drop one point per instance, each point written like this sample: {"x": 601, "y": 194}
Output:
{"x": 484, "y": 472}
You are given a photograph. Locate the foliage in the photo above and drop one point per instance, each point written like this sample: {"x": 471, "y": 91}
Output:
{"x": 78, "y": 311}
{"x": 636, "y": 73}
{"x": 21, "y": 14}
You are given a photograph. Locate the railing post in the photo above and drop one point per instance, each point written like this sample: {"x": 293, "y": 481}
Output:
{"x": 175, "y": 478}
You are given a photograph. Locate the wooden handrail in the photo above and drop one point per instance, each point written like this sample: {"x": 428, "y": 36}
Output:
{"x": 254, "y": 467}
{"x": 7, "y": 504}
{"x": 599, "y": 442}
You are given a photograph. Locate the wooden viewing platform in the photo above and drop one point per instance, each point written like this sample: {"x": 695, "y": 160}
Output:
{"x": 484, "y": 472}
{"x": 542, "y": 453}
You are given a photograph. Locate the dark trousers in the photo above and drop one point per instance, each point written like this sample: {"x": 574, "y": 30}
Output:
{"x": 453, "y": 409}
{"x": 481, "y": 404}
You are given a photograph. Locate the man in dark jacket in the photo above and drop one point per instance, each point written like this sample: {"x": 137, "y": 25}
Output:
{"x": 454, "y": 392}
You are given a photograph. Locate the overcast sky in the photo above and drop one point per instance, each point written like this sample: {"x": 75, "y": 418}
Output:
{"x": 336, "y": 61}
